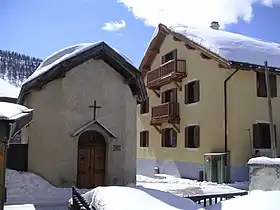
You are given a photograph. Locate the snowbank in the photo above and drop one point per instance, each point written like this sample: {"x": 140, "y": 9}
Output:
{"x": 264, "y": 161}
{"x": 255, "y": 200}
{"x": 25, "y": 187}
{"x": 12, "y": 111}
{"x": 20, "y": 207}
{"x": 8, "y": 90}
{"x": 233, "y": 47}
{"x": 138, "y": 198}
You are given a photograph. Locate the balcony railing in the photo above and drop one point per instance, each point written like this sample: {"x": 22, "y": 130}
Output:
{"x": 167, "y": 112}
{"x": 174, "y": 69}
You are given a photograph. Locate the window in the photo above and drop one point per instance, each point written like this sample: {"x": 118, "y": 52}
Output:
{"x": 192, "y": 139}
{"x": 192, "y": 92}
{"x": 144, "y": 139}
{"x": 169, "y": 96}
{"x": 144, "y": 107}
{"x": 261, "y": 136}
{"x": 261, "y": 85}
{"x": 168, "y": 137}
{"x": 169, "y": 56}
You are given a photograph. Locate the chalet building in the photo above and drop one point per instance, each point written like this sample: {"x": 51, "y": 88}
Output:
{"x": 206, "y": 94}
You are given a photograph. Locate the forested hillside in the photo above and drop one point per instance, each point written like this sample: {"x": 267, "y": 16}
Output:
{"x": 15, "y": 67}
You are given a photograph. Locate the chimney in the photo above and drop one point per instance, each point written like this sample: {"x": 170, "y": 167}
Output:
{"x": 215, "y": 25}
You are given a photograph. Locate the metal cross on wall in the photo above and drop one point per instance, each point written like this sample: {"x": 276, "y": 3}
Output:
{"x": 94, "y": 107}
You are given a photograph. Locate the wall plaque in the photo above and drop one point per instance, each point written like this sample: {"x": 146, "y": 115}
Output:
{"x": 117, "y": 147}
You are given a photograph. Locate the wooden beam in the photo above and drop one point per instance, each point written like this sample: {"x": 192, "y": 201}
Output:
{"x": 188, "y": 46}
{"x": 178, "y": 85}
{"x": 176, "y": 127}
{"x": 156, "y": 92}
{"x": 204, "y": 56}
{"x": 176, "y": 39}
{"x": 157, "y": 128}
{"x": 155, "y": 50}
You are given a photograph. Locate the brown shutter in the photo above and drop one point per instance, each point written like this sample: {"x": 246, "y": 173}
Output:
{"x": 174, "y": 95}
{"x": 275, "y": 133}
{"x": 186, "y": 137}
{"x": 147, "y": 105}
{"x": 196, "y": 91}
{"x": 162, "y": 59}
{"x": 196, "y": 137}
{"x": 273, "y": 85}
{"x": 261, "y": 85}
{"x": 186, "y": 94}
{"x": 174, "y": 136}
{"x": 174, "y": 54}
{"x": 141, "y": 138}
{"x": 147, "y": 138}
{"x": 163, "y": 97}
{"x": 256, "y": 136}
{"x": 163, "y": 137}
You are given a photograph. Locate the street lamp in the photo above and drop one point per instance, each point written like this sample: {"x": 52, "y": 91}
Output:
{"x": 13, "y": 117}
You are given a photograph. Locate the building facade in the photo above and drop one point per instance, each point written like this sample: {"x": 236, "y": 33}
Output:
{"x": 199, "y": 102}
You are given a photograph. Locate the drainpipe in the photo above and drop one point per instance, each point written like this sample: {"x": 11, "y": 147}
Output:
{"x": 225, "y": 108}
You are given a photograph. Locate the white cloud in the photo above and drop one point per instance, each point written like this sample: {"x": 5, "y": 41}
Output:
{"x": 114, "y": 26}
{"x": 193, "y": 12}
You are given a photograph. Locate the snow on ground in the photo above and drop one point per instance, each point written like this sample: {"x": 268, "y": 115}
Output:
{"x": 18, "y": 207}
{"x": 137, "y": 198}
{"x": 233, "y": 47}
{"x": 12, "y": 111}
{"x": 180, "y": 186}
{"x": 256, "y": 200}
{"x": 8, "y": 90}
{"x": 25, "y": 187}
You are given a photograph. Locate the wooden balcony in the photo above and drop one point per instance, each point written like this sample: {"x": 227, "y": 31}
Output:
{"x": 171, "y": 71}
{"x": 165, "y": 113}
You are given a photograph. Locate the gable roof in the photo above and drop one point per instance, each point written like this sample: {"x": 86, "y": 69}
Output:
{"x": 228, "y": 49}
{"x": 66, "y": 59}
{"x": 88, "y": 124}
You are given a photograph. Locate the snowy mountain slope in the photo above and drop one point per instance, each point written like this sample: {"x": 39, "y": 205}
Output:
{"x": 8, "y": 90}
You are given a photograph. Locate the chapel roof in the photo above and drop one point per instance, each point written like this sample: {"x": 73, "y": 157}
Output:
{"x": 230, "y": 49}
{"x": 66, "y": 59}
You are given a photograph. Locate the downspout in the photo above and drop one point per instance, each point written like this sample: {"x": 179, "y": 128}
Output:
{"x": 225, "y": 109}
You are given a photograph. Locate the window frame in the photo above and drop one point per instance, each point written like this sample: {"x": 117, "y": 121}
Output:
{"x": 196, "y": 92}
{"x": 173, "y": 134}
{"x": 196, "y": 136}
{"x": 144, "y": 139}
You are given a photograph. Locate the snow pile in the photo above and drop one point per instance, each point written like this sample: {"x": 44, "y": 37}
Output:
{"x": 138, "y": 198}
{"x": 233, "y": 47}
{"x": 180, "y": 186}
{"x": 264, "y": 161}
{"x": 12, "y": 111}
{"x": 8, "y": 90}
{"x": 25, "y": 187}
{"x": 255, "y": 200}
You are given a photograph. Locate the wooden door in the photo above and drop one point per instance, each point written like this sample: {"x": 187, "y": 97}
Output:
{"x": 91, "y": 161}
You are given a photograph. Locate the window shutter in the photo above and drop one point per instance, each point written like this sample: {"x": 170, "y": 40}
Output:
{"x": 141, "y": 139}
{"x": 196, "y": 137}
{"x": 147, "y": 105}
{"x": 196, "y": 91}
{"x": 147, "y": 138}
{"x": 163, "y": 137}
{"x": 186, "y": 94}
{"x": 273, "y": 85}
{"x": 174, "y": 95}
{"x": 261, "y": 85}
{"x": 162, "y": 59}
{"x": 174, "y": 138}
{"x": 186, "y": 137}
{"x": 256, "y": 136}
{"x": 163, "y": 97}
{"x": 174, "y": 54}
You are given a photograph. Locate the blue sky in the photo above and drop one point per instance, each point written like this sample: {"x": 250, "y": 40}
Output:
{"x": 41, "y": 27}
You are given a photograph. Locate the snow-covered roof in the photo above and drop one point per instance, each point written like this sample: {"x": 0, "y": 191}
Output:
{"x": 264, "y": 161}
{"x": 8, "y": 90}
{"x": 58, "y": 57}
{"x": 232, "y": 46}
{"x": 11, "y": 111}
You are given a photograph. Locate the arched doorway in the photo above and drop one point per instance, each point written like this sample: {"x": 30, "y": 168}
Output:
{"x": 91, "y": 160}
